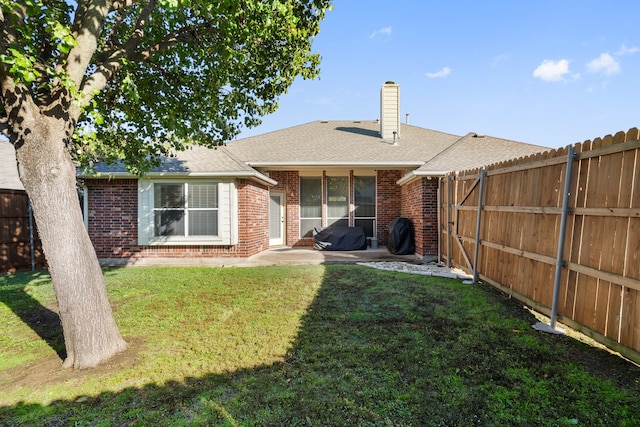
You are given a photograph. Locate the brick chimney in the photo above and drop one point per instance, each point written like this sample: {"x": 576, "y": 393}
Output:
{"x": 390, "y": 111}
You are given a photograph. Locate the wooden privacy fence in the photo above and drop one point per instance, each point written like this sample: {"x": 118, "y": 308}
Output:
{"x": 20, "y": 248}
{"x": 559, "y": 230}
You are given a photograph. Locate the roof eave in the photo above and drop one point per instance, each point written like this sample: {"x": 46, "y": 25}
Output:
{"x": 252, "y": 175}
{"x": 402, "y": 164}
{"x": 417, "y": 174}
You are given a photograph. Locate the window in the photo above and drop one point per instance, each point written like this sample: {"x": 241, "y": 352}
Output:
{"x": 185, "y": 209}
{"x": 310, "y": 205}
{"x": 364, "y": 189}
{"x": 338, "y": 201}
{"x": 340, "y": 196}
{"x": 190, "y": 211}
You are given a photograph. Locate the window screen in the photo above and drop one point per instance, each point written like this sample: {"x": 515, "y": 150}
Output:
{"x": 338, "y": 200}
{"x": 310, "y": 205}
{"x": 364, "y": 192}
{"x": 185, "y": 209}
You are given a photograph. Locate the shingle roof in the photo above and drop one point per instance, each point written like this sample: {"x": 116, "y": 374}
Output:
{"x": 196, "y": 161}
{"x": 8, "y": 168}
{"x": 472, "y": 151}
{"x": 341, "y": 143}
{"x": 333, "y": 143}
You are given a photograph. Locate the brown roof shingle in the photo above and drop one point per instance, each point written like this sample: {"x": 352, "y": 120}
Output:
{"x": 341, "y": 143}
{"x": 334, "y": 143}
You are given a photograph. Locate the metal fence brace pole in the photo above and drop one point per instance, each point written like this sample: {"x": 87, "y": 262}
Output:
{"x": 439, "y": 203}
{"x": 448, "y": 221}
{"x": 551, "y": 327}
{"x": 31, "y": 242}
{"x": 478, "y": 223}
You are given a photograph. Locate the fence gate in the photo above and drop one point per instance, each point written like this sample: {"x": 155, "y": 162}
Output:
{"x": 467, "y": 238}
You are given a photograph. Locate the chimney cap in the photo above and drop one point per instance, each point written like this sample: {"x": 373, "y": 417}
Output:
{"x": 389, "y": 82}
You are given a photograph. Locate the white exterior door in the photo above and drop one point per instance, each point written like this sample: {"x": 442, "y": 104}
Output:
{"x": 276, "y": 219}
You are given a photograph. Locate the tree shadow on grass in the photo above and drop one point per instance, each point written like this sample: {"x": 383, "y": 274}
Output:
{"x": 400, "y": 352}
{"x": 42, "y": 320}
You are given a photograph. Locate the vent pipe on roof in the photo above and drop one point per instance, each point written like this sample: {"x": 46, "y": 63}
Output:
{"x": 406, "y": 121}
{"x": 390, "y": 111}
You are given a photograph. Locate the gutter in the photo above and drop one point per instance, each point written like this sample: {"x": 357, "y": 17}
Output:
{"x": 414, "y": 175}
{"x": 252, "y": 175}
{"x": 292, "y": 164}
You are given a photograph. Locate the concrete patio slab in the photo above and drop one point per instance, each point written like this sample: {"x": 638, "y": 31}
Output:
{"x": 276, "y": 256}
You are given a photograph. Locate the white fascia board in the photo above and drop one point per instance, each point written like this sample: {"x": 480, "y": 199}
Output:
{"x": 413, "y": 175}
{"x": 413, "y": 164}
{"x": 106, "y": 175}
{"x": 256, "y": 176}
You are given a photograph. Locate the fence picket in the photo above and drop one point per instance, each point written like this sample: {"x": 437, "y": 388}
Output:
{"x": 521, "y": 222}
{"x": 15, "y": 242}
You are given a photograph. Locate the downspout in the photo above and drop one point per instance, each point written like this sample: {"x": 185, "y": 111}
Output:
{"x": 551, "y": 327}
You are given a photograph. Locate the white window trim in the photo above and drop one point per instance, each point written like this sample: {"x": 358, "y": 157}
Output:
{"x": 349, "y": 200}
{"x": 85, "y": 207}
{"x": 227, "y": 214}
{"x": 375, "y": 198}
{"x": 300, "y": 217}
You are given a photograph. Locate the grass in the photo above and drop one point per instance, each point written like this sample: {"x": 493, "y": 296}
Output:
{"x": 307, "y": 345}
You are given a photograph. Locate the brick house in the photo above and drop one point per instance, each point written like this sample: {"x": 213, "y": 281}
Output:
{"x": 274, "y": 189}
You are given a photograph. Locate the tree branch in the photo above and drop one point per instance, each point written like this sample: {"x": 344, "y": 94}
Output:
{"x": 19, "y": 108}
{"x": 8, "y": 34}
{"x": 88, "y": 23}
{"x": 119, "y": 5}
{"x": 98, "y": 80}
{"x": 138, "y": 33}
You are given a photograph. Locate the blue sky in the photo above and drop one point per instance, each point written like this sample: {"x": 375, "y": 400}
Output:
{"x": 545, "y": 72}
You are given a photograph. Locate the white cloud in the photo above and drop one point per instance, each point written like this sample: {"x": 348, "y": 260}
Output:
{"x": 386, "y": 31}
{"x": 552, "y": 71}
{"x": 605, "y": 64}
{"x": 624, "y": 50}
{"x": 499, "y": 60}
{"x": 439, "y": 74}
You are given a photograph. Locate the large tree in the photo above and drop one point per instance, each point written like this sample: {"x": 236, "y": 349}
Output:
{"x": 131, "y": 80}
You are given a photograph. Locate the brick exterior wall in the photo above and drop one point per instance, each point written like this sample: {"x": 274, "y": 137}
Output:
{"x": 113, "y": 217}
{"x": 289, "y": 184}
{"x": 253, "y": 218}
{"x": 113, "y": 223}
{"x": 420, "y": 205}
{"x": 389, "y": 199}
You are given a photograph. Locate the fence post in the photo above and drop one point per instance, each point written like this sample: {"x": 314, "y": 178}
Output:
{"x": 551, "y": 327}
{"x": 478, "y": 222}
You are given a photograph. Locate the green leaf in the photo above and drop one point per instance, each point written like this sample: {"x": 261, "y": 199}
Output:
{"x": 224, "y": 65}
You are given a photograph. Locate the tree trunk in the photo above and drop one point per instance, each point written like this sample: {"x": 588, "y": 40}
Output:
{"x": 48, "y": 174}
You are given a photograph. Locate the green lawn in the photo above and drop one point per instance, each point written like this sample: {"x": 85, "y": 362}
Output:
{"x": 306, "y": 345}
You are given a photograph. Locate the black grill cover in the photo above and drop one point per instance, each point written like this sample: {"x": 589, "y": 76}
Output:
{"x": 340, "y": 239}
{"x": 401, "y": 237}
